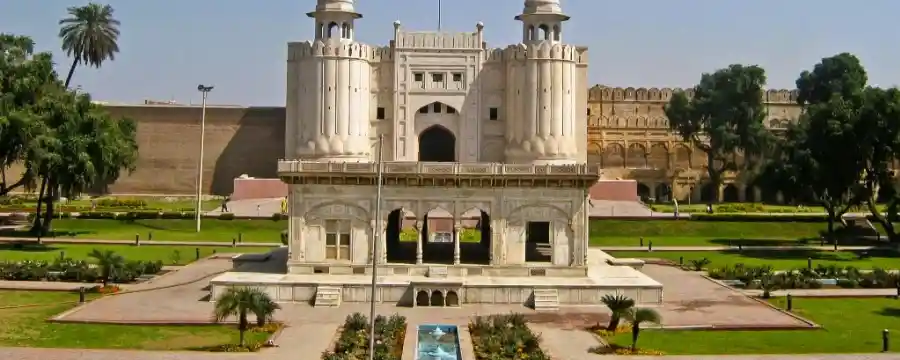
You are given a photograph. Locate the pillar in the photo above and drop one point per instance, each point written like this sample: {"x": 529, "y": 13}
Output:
{"x": 419, "y": 243}
{"x": 457, "y": 231}
{"x": 652, "y": 187}
{"x": 380, "y": 237}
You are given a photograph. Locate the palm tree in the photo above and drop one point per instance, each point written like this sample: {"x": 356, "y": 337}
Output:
{"x": 265, "y": 312}
{"x": 637, "y": 316}
{"x": 619, "y": 305}
{"x": 89, "y": 35}
{"x": 240, "y": 302}
{"x": 108, "y": 261}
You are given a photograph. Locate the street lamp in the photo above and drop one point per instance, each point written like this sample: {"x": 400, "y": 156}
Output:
{"x": 377, "y": 239}
{"x": 205, "y": 90}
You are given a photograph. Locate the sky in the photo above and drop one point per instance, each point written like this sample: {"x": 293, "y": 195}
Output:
{"x": 168, "y": 47}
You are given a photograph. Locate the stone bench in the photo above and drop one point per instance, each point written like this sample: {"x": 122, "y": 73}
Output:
{"x": 636, "y": 264}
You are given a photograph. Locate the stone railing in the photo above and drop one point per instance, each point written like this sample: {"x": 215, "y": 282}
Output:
{"x": 296, "y": 167}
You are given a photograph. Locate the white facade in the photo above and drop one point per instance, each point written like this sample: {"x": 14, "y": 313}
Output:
{"x": 525, "y": 103}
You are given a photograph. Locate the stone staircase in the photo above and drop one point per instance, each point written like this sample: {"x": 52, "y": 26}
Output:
{"x": 546, "y": 300}
{"x": 327, "y": 296}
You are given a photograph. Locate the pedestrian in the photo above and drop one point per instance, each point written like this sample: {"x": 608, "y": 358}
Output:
{"x": 225, "y": 204}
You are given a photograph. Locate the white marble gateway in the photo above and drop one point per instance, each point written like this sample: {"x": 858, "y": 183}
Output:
{"x": 484, "y": 174}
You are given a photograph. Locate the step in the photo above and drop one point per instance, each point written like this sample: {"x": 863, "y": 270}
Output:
{"x": 437, "y": 271}
{"x": 327, "y": 296}
{"x": 546, "y": 299}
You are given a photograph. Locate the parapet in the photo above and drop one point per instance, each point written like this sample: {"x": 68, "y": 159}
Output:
{"x": 604, "y": 93}
{"x": 545, "y": 50}
{"x": 305, "y": 49}
{"x": 438, "y": 40}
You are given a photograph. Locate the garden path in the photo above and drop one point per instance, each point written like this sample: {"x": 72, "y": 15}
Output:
{"x": 726, "y": 248}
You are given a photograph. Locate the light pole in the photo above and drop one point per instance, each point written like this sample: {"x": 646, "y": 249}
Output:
{"x": 375, "y": 241}
{"x": 205, "y": 90}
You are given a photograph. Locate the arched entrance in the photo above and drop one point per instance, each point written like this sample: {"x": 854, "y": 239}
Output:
{"x": 730, "y": 194}
{"x": 437, "y": 144}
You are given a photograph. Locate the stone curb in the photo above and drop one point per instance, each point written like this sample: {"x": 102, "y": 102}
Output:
{"x": 812, "y": 324}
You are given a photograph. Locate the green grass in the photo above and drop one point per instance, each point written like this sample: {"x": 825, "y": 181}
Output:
{"x": 153, "y": 202}
{"x": 702, "y": 233}
{"x": 25, "y": 327}
{"x": 850, "y": 326}
{"x": 748, "y": 208}
{"x": 170, "y": 229}
{"x": 186, "y": 254}
{"x": 780, "y": 260}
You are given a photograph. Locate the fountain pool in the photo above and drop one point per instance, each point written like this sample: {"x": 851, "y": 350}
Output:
{"x": 437, "y": 342}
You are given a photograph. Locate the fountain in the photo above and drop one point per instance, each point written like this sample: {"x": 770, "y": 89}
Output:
{"x": 437, "y": 342}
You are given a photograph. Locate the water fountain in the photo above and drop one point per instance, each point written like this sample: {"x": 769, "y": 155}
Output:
{"x": 437, "y": 342}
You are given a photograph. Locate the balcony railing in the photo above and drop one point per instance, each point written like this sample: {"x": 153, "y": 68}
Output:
{"x": 291, "y": 167}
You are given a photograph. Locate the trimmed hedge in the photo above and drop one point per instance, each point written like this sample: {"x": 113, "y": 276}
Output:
{"x": 759, "y": 217}
{"x": 149, "y": 215}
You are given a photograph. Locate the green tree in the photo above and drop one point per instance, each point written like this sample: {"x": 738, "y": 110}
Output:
{"x": 724, "y": 117}
{"x": 638, "y": 316}
{"x": 108, "y": 261}
{"x": 240, "y": 302}
{"x": 618, "y": 305}
{"x": 265, "y": 312}
{"x": 879, "y": 128}
{"x": 25, "y": 77}
{"x": 89, "y": 36}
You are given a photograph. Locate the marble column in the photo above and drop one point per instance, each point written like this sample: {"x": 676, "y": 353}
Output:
{"x": 419, "y": 243}
{"x": 457, "y": 232}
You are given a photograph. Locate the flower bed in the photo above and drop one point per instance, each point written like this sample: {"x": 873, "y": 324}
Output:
{"x": 504, "y": 337}
{"x": 762, "y": 277}
{"x": 75, "y": 271}
{"x": 353, "y": 340}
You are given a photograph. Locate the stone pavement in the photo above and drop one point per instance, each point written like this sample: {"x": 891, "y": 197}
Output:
{"x": 829, "y": 293}
{"x": 728, "y": 248}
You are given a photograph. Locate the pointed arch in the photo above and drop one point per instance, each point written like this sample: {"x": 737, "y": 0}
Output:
{"x": 437, "y": 144}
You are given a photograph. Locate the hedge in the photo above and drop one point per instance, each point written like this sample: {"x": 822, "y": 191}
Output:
{"x": 148, "y": 215}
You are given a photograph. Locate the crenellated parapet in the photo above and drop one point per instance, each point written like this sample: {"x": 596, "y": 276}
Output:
{"x": 438, "y": 40}
{"x": 544, "y": 51}
{"x": 600, "y": 93}
{"x": 297, "y": 51}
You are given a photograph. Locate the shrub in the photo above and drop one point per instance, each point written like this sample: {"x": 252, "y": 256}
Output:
{"x": 96, "y": 215}
{"x": 353, "y": 341}
{"x": 65, "y": 269}
{"x": 175, "y": 215}
{"x": 279, "y": 217}
{"x": 250, "y": 347}
{"x": 759, "y": 217}
{"x": 121, "y": 203}
{"x": 699, "y": 264}
{"x": 226, "y": 216}
{"x": 504, "y": 337}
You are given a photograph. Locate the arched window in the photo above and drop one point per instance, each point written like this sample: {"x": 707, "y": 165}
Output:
{"x": 332, "y": 28}
{"x": 556, "y": 33}
{"x": 345, "y": 31}
{"x": 544, "y": 32}
{"x": 531, "y": 33}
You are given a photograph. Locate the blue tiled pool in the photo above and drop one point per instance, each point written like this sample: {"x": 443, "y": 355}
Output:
{"x": 437, "y": 342}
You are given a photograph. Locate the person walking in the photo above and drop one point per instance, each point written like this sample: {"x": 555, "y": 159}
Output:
{"x": 225, "y": 203}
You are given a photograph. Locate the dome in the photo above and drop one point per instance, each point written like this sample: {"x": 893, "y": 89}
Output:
{"x": 542, "y": 7}
{"x": 334, "y": 6}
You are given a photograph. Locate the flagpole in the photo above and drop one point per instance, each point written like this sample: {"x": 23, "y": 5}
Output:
{"x": 375, "y": 242}
{"x": 439, "y": 15}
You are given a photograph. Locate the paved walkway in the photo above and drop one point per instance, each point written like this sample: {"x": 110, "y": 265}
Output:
{"x": 132, "y": 242}
{"x": 728, "y": 248}
{"x": 829, "y": 292}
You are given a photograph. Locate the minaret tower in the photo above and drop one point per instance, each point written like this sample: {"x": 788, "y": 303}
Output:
{"x": 328, "y": 89}
{"x": 542, "y": 124}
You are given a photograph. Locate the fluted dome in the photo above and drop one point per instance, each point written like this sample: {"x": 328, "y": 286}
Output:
{"x": 542, "y": 7}
{"x": 335, "y": 6}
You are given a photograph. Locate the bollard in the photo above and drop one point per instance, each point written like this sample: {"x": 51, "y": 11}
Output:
{"x": 197, "y": 253}
{"x": 642, "y": 242}
{"x": 650, "y": 245}
{"x": 898, "y": 290}
{"x": 885, "y": 343}
{"x": 835, "y": 243}
{"x": 790, "y": 302}
{"x": 214, "y": 251}
{"x": 809, "y": 263}
{"x": 822, "y": 240}
{"x": 81, "y": 295}
{"x": 681, "y": 260}
{"x": 137, "y": 240}
{"x": 740, "y": 247}
{"x": 62, "y": 255}
{"x": 240, "y": 237}
{"x": 150, "y": 235}
{"x": 233, "y": 242}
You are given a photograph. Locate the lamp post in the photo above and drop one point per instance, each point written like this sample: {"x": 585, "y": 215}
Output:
{"x": 375, "y": 241}
{"x": 205, "y": 90}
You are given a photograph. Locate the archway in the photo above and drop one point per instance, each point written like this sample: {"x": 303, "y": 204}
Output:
{"x": 401, "y": 236}
{"x": 452, "y": 298}
{"x": 643, "y": 192}
{"x": 422, "y": 298}
{"x": 437, "y": 237}
{"x": 707, "y": 193}
{"x": 437, "y": 298}
{"x": 663, "y": 193}
{"x": 437, "y": 144}
{"x": 750, "y": 194}
{"x": 730, "y": 193}
{"x": 475, "y": 237}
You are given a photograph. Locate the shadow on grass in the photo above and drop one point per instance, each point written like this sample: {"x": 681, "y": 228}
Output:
{"x": 802, "y": 254}
{"x": 808, "y": 241}
{"x": 28, "y": 248}
{"x": 889, "y": 311}
{"x": 50, "y": 234}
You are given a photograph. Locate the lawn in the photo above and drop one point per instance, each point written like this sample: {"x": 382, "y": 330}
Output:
{"x": 166, "y": 254}
{"x": 170, "y": 229}
{"x": 702, "y": 233}
{"x": 851, "y": 326}
{"x": 25, "y": 327}
{"x": 780, "y": 260}
{"x": 153, "y": 202}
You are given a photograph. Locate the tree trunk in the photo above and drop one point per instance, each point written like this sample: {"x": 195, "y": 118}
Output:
{"x": 881, "y": 219}
{"x": 36, "y": 227}
{"x": 714, "y": 178}
{"x": 53, "y": 191}
{"x": 635, "y": 331}
{"x": 242, "y": 326}
{"x": 613, "y": 322}
{"x": 71, "y": 72}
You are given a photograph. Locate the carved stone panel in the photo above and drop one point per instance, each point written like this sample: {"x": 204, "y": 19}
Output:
{"x": 338, "y": 210}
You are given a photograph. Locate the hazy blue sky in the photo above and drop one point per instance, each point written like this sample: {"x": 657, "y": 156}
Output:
{"x": 169, "y": 46}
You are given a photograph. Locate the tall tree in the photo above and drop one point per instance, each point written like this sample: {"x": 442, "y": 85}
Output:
{"x": 724, "y": 117}
{"x": 80, "y": 147}
{"x": 879, "y": 129}
{"x": 25, "y": 77}
{"x": 89, "y": 36}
